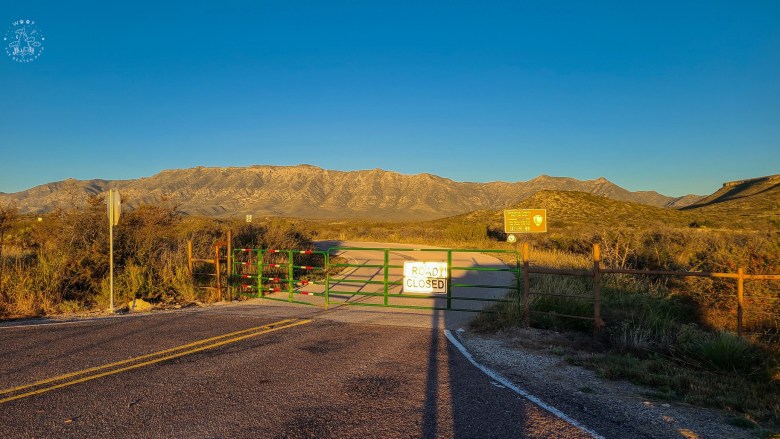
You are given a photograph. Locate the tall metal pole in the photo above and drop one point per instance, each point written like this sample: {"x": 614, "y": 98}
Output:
{"x": 229, "y": 265}
{"x": 111, "y": 246}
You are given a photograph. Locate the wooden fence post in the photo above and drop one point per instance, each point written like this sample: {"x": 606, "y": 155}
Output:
{"x": 189, "y": 255}
{"x": 526, "y": 288}
{"x": 229, "y": 266}
{"x": 740, "y": 298}
{"x": 217, "y": 271}
{"x": 598, "y": 323}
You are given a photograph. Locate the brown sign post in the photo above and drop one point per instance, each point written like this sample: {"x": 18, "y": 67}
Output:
{"x": 524, "y": 221}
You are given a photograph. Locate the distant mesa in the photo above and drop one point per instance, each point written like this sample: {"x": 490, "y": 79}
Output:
{"x": 768, "y": 179}
{"x": 754, "y": 196}
{"x": 307, "y": 191}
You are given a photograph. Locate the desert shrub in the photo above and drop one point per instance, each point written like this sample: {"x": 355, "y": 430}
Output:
{"x": 720, "y": 351}
{"x": 62, "y": 263}
{"x": 467, "y": 232}
{"x": 283, "y": 235}
{"x": 247, "y": 235}
{"x": 8, "y": 216}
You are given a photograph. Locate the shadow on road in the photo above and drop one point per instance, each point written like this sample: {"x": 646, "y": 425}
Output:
{"x": 460, "y": 400}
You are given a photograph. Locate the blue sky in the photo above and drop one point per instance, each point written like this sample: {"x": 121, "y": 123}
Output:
{"x": 676, "y": 97}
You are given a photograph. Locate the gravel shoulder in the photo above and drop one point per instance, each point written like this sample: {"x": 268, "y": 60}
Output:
{"x": 533, "y": 360}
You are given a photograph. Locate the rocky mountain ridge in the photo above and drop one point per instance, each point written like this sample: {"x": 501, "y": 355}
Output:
{"x": 311, "y": 192}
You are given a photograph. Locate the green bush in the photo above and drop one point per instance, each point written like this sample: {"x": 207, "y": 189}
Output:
{"x": 720, "y": 351}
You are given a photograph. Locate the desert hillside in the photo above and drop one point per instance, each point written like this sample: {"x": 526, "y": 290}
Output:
{"x": 743, "y": 205}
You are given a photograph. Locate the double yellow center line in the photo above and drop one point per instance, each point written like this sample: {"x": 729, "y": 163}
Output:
{"x": 81, "y": 376}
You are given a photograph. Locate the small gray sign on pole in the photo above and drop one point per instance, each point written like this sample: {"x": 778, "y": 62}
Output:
{"x": 114, "y": 203}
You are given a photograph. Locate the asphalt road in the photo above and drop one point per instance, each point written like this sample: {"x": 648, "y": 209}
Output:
{"x": 256, "y": 369}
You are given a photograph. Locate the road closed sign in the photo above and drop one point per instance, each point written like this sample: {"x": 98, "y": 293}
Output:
{"x": 425, "y": 277}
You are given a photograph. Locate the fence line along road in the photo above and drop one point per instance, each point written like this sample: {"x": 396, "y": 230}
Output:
{"x": 598, "y": 270}
{"x": 233, "y": 266}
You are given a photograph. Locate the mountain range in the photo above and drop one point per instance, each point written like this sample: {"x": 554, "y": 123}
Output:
{"x": 307, "y": 191}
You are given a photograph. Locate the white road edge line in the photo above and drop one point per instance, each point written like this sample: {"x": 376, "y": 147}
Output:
{"x": 496, "y": 376}
{"x": 94, "y": 319}
{"x": 71, "y": 322}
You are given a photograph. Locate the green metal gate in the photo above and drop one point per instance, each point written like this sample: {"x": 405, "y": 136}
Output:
{"x": 264, "y": 272}
{"x": 287, "y": 275}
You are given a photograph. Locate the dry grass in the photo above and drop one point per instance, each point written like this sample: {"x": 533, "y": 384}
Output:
{"x": 555, "y": 258}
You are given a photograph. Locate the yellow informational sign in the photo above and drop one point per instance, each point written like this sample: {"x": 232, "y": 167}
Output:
{"x": 525, "y": 220}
